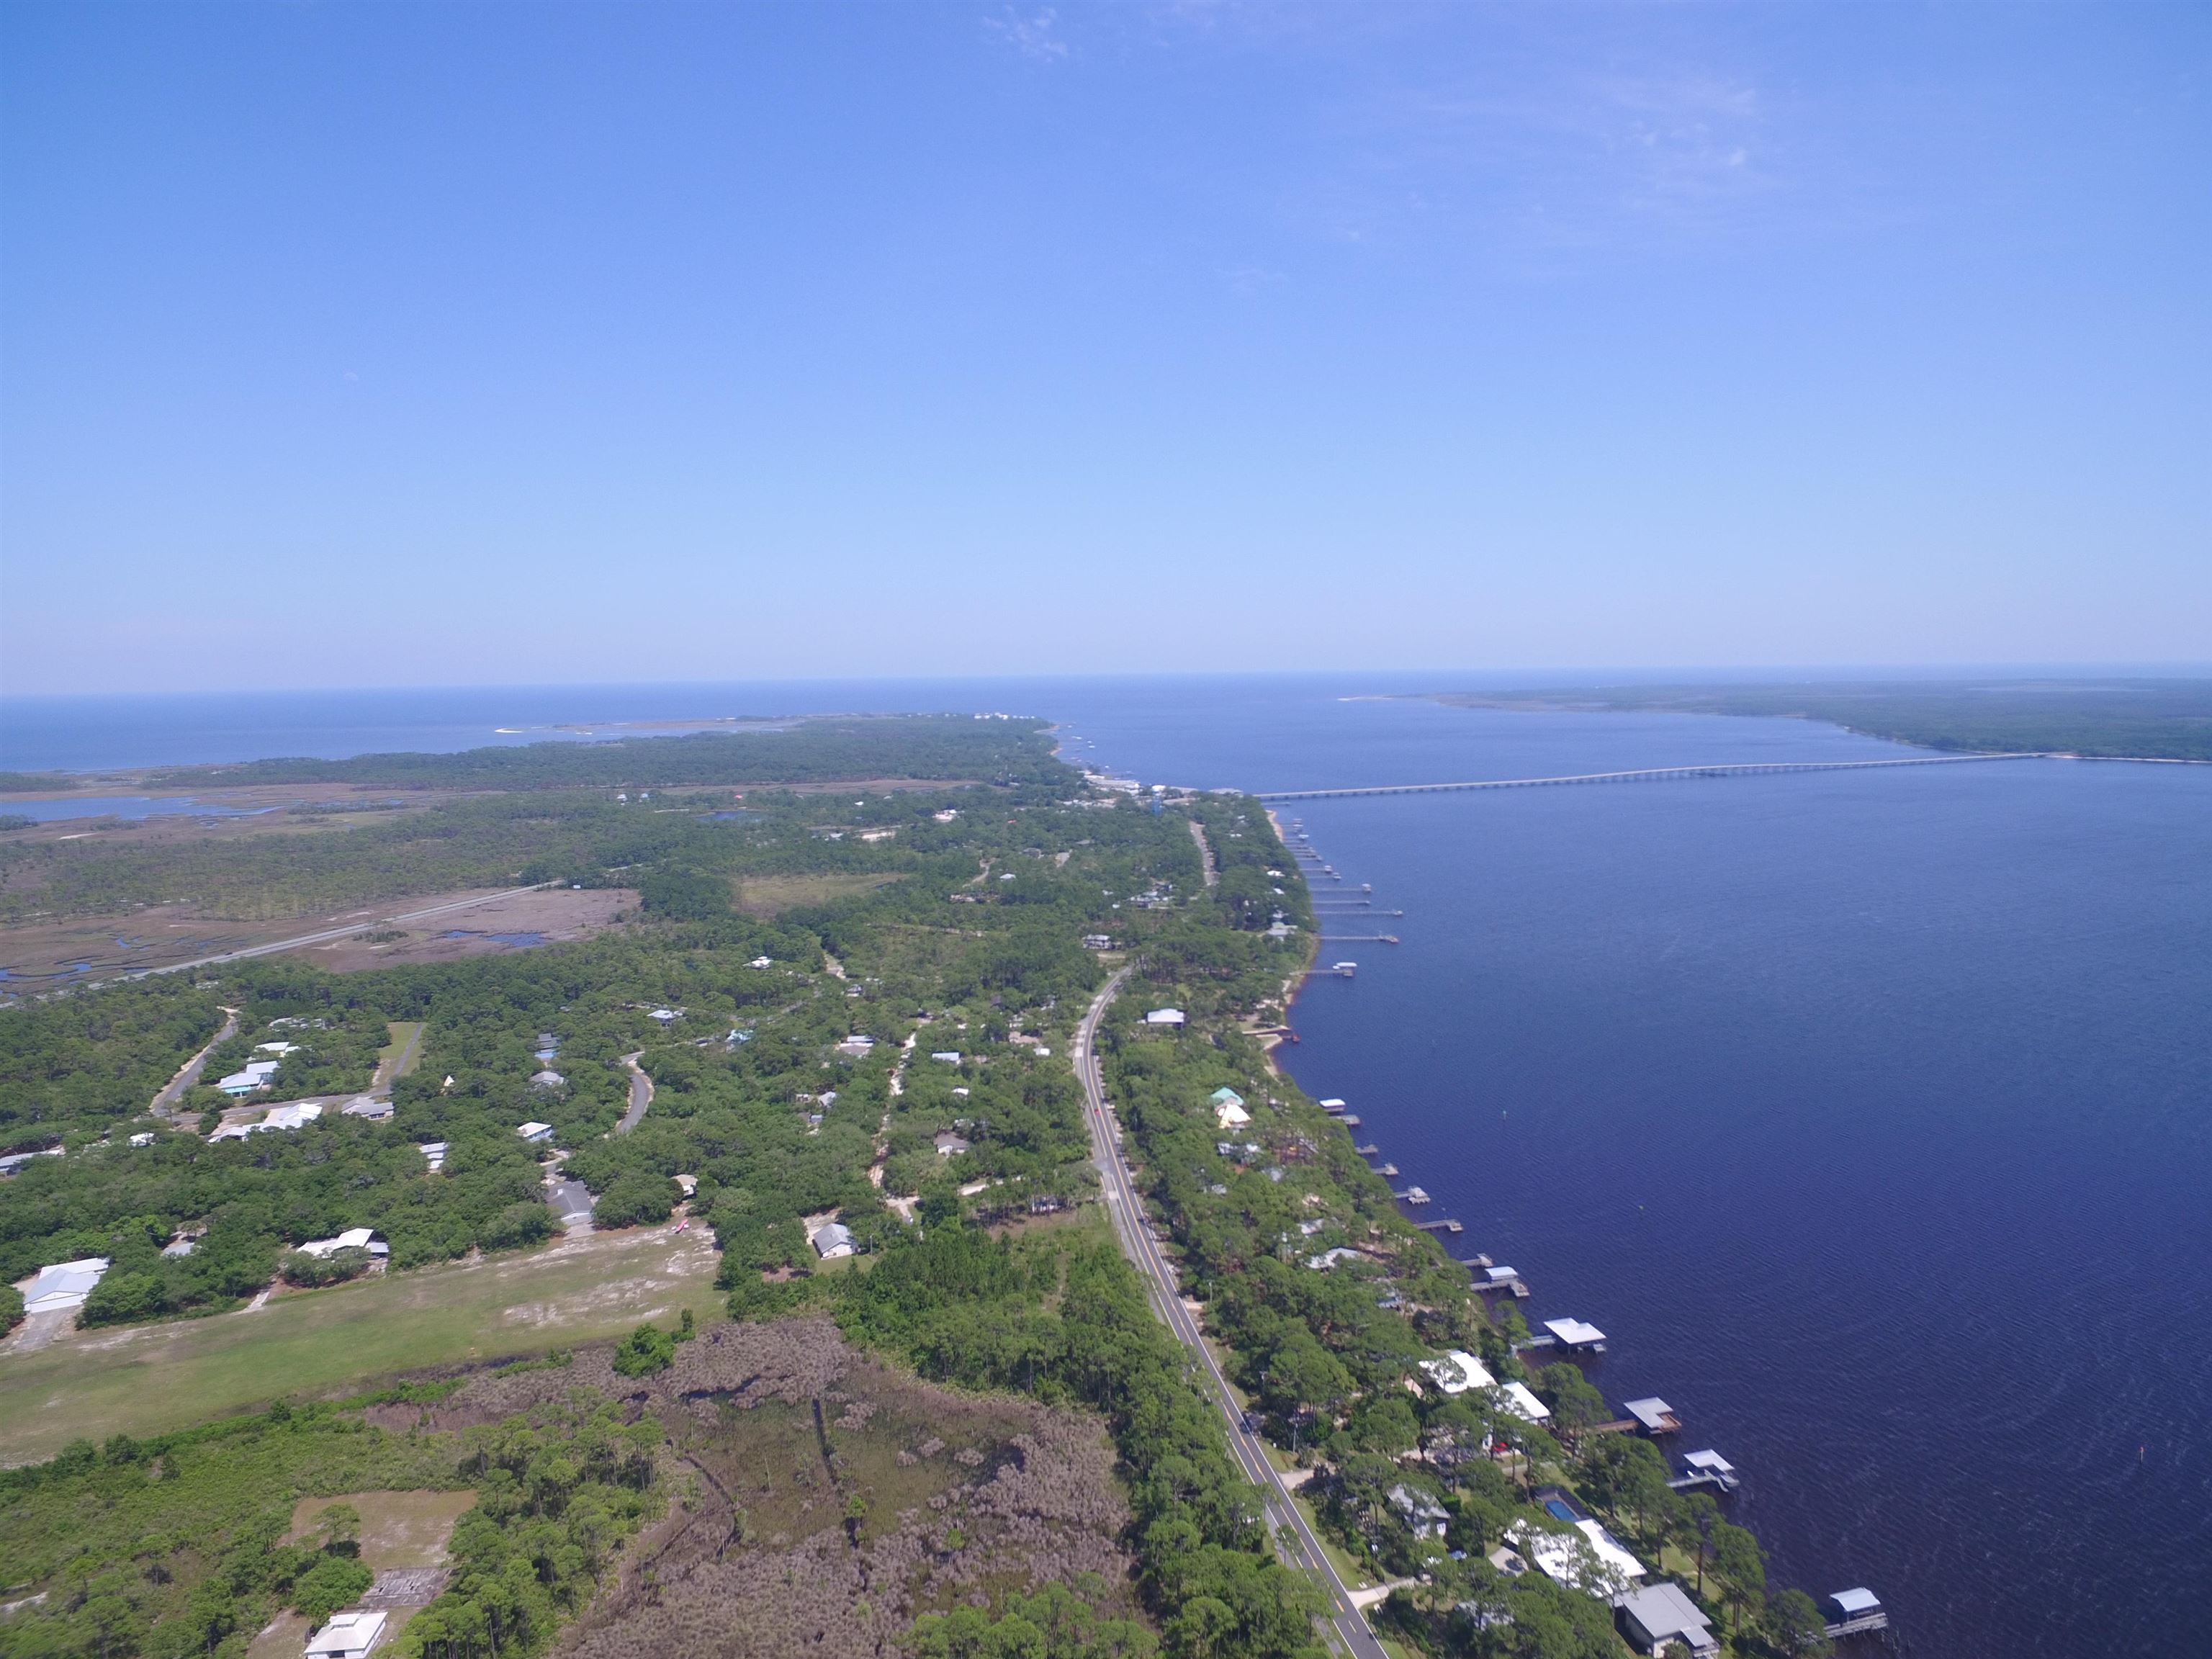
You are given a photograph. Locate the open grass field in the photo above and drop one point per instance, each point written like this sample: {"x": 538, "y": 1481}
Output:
{"x": 769, "y": 895}
{"x": 401, "y": 1056}
{"x": 149, "y": 1378}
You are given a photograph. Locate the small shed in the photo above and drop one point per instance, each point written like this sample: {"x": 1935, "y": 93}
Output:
{"x": 1847, "y": 1607}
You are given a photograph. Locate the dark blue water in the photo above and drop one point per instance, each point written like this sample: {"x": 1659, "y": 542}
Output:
{"x": 1870, "y": 1114}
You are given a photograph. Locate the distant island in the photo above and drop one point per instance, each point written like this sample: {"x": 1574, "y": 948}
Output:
{"x": 2119, "y": 719}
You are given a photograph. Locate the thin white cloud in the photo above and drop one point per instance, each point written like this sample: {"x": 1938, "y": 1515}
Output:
{"x": 1032, "y": 33}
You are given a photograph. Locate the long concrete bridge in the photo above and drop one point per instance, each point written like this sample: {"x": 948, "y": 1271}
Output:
{"x": 1646, "y": 774}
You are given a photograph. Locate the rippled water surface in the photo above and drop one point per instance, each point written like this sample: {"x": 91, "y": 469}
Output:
{"x": 1867, "y": 1112}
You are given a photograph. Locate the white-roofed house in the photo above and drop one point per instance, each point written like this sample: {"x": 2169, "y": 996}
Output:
{"x": 1165, "y": 1017}
{"x": 534, "y": 1132}
{"x": 353, "y": 1238}
{"x": 63, "y": 1286}
{"x": 1523, "y": 1403}
{"x": 296, "y": 1116}
{"x": 348, "y": 1634}
{"x": 1588, "y": 1558}
{"x": 832, "y": 1240}
{"x": 1458, "y": 1371}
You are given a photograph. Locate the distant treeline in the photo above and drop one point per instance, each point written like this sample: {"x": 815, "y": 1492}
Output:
{"x": 2134, "y": 719}
{"x": 814, "y": 750}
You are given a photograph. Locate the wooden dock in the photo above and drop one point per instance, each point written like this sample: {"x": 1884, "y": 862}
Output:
{"x": 1440, "y": 1227}
{"x": 1864, "y": 1622}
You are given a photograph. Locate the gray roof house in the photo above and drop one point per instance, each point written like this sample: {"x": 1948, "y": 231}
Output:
{"x": 1657, "y": 1614}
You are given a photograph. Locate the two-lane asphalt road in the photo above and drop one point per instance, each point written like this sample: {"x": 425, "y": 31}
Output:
{"x": 1294, "y": 1539}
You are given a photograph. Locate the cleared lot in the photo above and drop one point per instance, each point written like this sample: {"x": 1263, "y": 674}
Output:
{"x": 145, "y": 1379}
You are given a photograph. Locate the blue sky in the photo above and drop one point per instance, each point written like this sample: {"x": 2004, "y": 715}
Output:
{"x": 411, "y": 344}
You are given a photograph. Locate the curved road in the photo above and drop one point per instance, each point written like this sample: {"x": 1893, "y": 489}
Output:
{"x": 1294, "y": 1539}
{"x": 640, "y": 1093}
{"x": 189, "y": 1073}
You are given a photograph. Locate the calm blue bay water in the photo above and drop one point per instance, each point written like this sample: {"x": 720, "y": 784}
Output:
{"x": 1870, "y": 1114}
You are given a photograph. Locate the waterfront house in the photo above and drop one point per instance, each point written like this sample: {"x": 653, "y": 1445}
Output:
{"x": 1653, "y": 1616}
{"x": 1458, "y": 1371}
{"x": 1524, "y": 1405}
{"x": 1588, "y": 1558}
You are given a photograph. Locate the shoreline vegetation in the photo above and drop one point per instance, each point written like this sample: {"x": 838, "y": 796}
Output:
{"x": 934, "y": 1414}
{"x": 2167, "y": 720}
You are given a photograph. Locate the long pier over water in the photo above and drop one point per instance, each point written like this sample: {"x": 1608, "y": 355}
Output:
{"x": 1646, "y": 774}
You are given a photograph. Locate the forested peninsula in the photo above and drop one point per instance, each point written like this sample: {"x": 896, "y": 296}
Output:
{"x": 2121, "y": 719}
